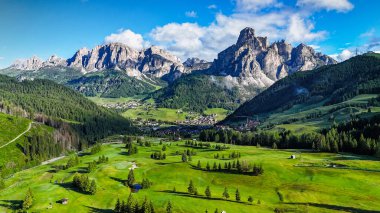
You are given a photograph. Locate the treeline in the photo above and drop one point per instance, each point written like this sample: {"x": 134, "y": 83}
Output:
{"x": 359, "y": 136}
{"x": 132, "y": 206}
{"x": 238, "y": 167}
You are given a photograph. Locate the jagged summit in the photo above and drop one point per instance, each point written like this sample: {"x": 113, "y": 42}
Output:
{"x": 152, "y": 61}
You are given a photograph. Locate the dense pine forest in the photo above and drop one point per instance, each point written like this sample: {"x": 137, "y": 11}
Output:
{"x": 197, "y": 92}
{"x": 75, "y": 122}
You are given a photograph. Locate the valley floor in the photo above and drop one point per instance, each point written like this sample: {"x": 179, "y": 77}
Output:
{"x": 313, "y": 182}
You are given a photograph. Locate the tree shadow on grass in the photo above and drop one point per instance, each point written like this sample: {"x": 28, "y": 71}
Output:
{"x": 118, "y": 180}
{"x": 168, "y": 163}
{"x": 98, "y": 210}
{"x": 336, "y": 207}
{"x": 11, "y": 204}
{"x": 184, "y": 194}
{"x": 224, "y": 171}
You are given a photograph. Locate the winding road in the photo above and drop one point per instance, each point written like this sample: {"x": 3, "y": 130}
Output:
{"x": 18, "y": 136}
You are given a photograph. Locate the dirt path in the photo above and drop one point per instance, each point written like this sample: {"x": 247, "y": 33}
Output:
{"x": 27, "y": 130}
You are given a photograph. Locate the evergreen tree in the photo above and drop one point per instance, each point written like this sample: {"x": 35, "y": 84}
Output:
{"x": 225, "y": 193}
{"x": 131, "y": 178}
{"x": 237, "y": 195}
{"x": 214, "y": 167}
{"x": 216, "y": 210}
{"x": 118, "y": 206}
{"x": 199, "y": 166}
{"x": 169, "y": 208}
{"x": 208, "y": 192}
{"x": 208, "y": 166}
{"x": 184, "y": 157}
{"x": 92, "y": 189}
{"x": 250, "y": 199}
{"x": 28, "y": 201}
{"x": 191, "y": 187}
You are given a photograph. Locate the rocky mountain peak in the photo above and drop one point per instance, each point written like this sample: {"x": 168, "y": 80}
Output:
{"x": 252, "y": 62}
{"x": 33, "y": 63}
{"x": 246, "y": 35}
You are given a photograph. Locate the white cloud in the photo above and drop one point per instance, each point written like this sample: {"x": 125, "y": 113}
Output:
{"x": 254, "y": 5}
{"x": 212, "y": 6}
{"x": 315, "y": 47}
{"x": 127, "y": 37}
{"x": 337, "y": 5}
{"x": 300, "y": 30}
{"x": 191, "y": 14}
{"x": 344, "y": 55}
{"x": 191, "y": 40}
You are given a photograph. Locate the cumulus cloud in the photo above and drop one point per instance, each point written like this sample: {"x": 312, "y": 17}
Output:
{"x": 300, "y": 30}
{"x": 192, "y": 40}
{"x": 337, "y": 5}
{"x": 342, "y": 56}
{"x": 254, "y": 5}
{"x": 127, "y": 37}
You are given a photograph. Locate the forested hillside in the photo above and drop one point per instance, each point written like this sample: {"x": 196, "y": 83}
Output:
{"x": 197, "y": 92}
{"x": 43, "y": 97}
{"x": 325, "y": 86}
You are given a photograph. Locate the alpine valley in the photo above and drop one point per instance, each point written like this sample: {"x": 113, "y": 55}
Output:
{"x": 264, "y": 127}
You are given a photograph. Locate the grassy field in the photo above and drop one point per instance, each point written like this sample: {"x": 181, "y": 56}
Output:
{"x": 328, "y": 114}
{"x": 100, "y": 101}
{"x": 11, "y": 126}
{"x": 304, "y": 184}
{"x": 170, "y": 115}
{"x": 161, "y": 114}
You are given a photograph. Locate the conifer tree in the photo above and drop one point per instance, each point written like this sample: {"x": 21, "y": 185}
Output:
{"x": 169, "y": 207}
{"x": 208, "y": 192}
{"x": 131, "y": 178}
{"x": 237, "y": 195}
{"x": 225, "y": 193}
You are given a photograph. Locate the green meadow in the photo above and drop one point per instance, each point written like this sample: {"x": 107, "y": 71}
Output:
{"x": 11, "y": 126}
{"x": 313, "y": 182}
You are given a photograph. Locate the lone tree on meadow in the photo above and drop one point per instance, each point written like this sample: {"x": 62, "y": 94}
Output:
{"x": 184, "y": 157}
{"x": 237, "y": 195}
{"x": 225, "y": 193}
{"x": 28, "y": 201}
{"x": 208, "y": 192}
{"x": 199, "y": 166}
{"x": 169, "y": 207}
{"x": 250, "y": 199}
{"x": 131, "y": 178}
{"x": 191, "y": 187}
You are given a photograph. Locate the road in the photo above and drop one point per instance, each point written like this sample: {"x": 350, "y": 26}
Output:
{"x": 14, "y": 139}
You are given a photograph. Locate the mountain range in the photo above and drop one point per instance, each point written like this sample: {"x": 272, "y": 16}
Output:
{"x": 240, "y": 72}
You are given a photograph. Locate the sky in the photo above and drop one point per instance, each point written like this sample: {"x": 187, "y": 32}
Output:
{"x": 186, "y": 28}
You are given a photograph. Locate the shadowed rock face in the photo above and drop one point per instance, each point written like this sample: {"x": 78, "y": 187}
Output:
{"x": 253, "y": 62}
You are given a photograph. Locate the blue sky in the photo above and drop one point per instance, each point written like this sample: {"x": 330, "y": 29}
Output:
{"x": 199, "y": 28}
